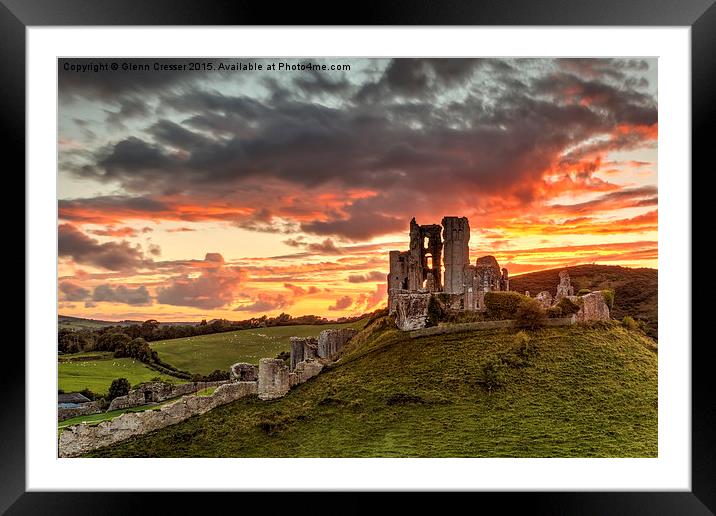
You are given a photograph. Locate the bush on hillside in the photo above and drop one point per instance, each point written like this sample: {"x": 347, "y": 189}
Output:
{"x": 608, "y": 295}
{"x": 494, "y": 373}
{"x": 630, "y": 324}
{"x": 503, "y": 305}
{"x": 522, "y": 345}
{"x": 522, "y": 351}
{"x": 554, "y": 312}
{"x": 583, "y": 291}
{"x": 216, "y": 375}
{"x": 530, "y": 314}
{"x": 564, "y": 308}
{"x": 119, "y": 387}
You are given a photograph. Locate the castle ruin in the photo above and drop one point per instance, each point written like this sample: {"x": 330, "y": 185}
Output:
{"x": 416, "y": 274}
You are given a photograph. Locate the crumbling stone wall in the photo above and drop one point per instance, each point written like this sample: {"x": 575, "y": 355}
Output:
{"x": 273, "y": 378}
{"x": 306, "y": 370}
{"x": 484, "y": 276}
{"x": 154, "y": 392}
{"x": 302, "y": 348}
{"x": 425, "y": 255}
{"x": 412, "y": 310}
{"x": 456, "y": 236}
{"x": 565, "y": 288}
{"x": 331, "y": 342}
{"x": 545, "y": 298}
{"x": 593, "y": 307}
{"x": 134, "y": 398}
{"x": 398, "y": 275}
{"x": 418, "y": 270}
{"x": 244, "y": 372}
{"x": 79, "y": 439}
{"x": 85, "y": 409}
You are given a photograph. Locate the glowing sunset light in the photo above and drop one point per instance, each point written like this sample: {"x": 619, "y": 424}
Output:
{"x": 188, "y": 197}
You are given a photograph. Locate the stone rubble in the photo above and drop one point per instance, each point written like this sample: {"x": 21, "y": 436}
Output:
{"x": 593, "y": 307}
{"x": 331, "y": 342}
{"x": 155, "y": 392}
{"x": 244, "y": 372}
{"x": 302, "y": 348}
{"x": 411, "y": 310}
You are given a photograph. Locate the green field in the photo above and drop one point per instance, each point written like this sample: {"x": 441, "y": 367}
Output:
{"x": 97, "y": 375}
{"x": 579, "y": 392}
{"x": 104, "y": 416}
{"x": 206, "y": 353}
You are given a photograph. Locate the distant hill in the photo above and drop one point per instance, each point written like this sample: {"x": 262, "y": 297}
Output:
{"x": 79, "y": 323}
{"x": 635, "y": 290}
{"x": 576, "y": 391}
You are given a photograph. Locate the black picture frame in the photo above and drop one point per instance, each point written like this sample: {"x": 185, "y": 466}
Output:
{"x": 17, "y": 15}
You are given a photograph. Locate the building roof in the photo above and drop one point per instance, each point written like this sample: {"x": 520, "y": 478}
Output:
{"x": 73, "y": 397}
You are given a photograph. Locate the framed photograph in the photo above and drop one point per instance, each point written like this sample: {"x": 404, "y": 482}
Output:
{"x": 426, "y": 251}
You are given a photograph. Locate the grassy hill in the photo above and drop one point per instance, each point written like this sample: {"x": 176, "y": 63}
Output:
{"x": 205, "y": 353}
{"x": 570, "y": 392}
{"x": 636, "y": 290}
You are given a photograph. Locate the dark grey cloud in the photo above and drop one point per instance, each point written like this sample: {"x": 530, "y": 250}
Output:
{"x": 175, "y": 135}
{"x": 419, "y": 78}
{"x": 137, "y": 296}
{"x": 116, "y": 256}
{"x": 73, "y": 292}
{"x": 389, "y": 134}
{"x": 109, "y": 85}
{"x": 627, "y": 198}
{"x": 128, "y": 108}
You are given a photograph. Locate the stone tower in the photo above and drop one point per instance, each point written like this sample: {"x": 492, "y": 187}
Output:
{"x": 456, "y": 236}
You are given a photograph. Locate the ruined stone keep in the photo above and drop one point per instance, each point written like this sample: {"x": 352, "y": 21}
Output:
{"x": 417, "y": 273}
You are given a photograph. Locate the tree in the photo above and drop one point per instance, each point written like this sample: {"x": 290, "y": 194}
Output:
{"x": 148, "y": 327}
{"x": 530, "y": 314}
{"x": 119, "y": 387}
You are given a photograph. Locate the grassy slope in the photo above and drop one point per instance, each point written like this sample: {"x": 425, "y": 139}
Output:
{"x": 205, "y": 353}
{"x": 97, "y": 375}
{"x": 636, "y": 290}
{"x": 587, "y": 392}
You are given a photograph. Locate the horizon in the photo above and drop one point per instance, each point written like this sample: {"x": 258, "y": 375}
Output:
{"x": 337, "y": 319}
{"x": 189, "y": 196}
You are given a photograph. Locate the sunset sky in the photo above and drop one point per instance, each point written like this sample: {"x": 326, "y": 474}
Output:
{"x": 185, "y": 195}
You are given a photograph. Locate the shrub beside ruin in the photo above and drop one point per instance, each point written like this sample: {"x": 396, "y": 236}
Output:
{"x": 503, "y": 305}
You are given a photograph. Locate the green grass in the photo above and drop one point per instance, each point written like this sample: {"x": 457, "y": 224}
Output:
{"x": 206, "y": 353}
{"x": 97, "y": 375}
{"x": 586, "y": 392}
{"x": 206, "y": 392}
{"x": 104, "y": 416}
